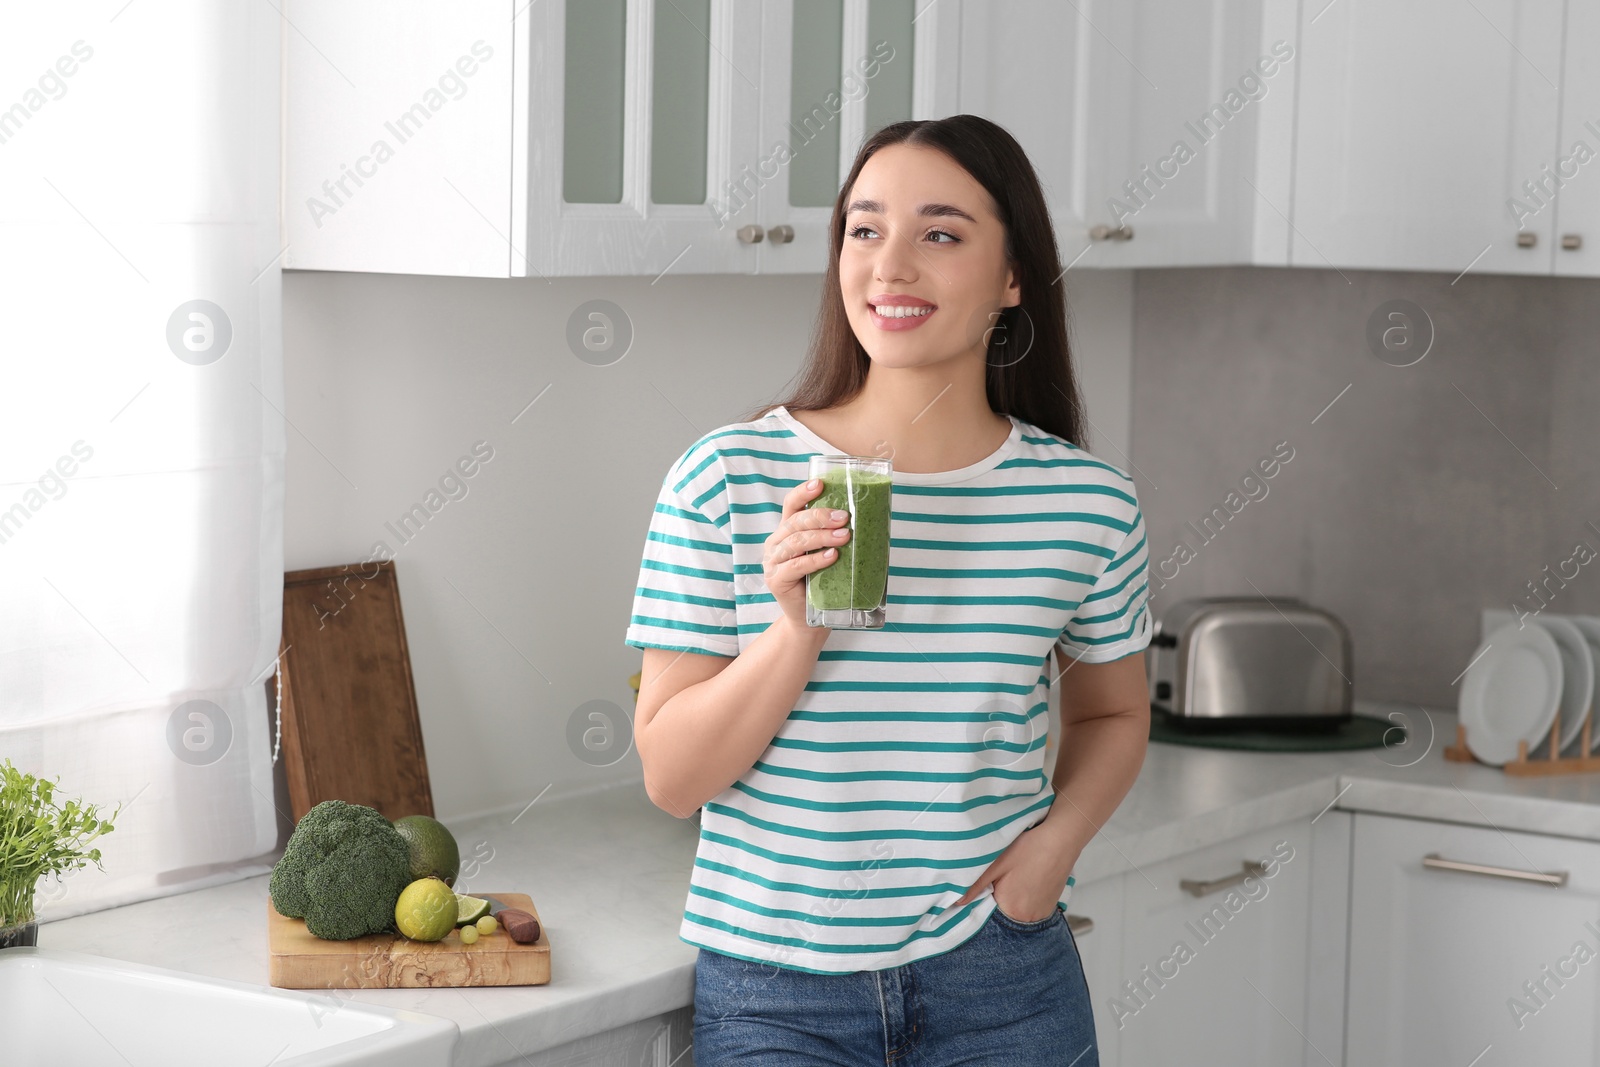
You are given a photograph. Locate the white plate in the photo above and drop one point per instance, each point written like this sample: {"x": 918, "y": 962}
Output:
{"x": 1577, "y": 677}
{"x": 1510, "y": 692}
{"x": 1589, "y": 626}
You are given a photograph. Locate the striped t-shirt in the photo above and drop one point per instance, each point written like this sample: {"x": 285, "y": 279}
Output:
{"x": 915, "y": 753}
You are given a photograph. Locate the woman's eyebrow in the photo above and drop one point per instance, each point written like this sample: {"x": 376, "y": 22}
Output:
{"x": 927, "y": 210}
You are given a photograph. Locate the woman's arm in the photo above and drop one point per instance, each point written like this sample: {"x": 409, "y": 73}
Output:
{"x": 1105, "y": 730}
{"x": 702, "y": 721}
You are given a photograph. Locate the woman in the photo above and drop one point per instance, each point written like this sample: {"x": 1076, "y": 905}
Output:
{"x": 882, "y": 862}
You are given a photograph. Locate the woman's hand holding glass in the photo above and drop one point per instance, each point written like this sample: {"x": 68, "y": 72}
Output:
{"x": 790, "y": 551}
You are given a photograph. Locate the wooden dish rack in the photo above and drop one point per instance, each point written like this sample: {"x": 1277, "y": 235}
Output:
{"x": 1522, "y": 766}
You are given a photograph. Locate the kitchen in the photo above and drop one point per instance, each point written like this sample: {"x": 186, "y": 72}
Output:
{"x": 1369, "y": 279}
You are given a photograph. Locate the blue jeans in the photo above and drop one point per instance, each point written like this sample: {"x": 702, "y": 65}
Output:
{"x": 1012, "y": 995}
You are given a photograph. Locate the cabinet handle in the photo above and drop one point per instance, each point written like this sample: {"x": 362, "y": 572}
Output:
{"x": 781, "y": 235}
{"x": 1200, "y": 889}
{"x": 751, "y": 234}
{"x": 1079, "y": 924}
{"x": 1106, "y": 233}
{"x": 1554, "y": 879}
{"x": 1571, "y": 242}
{"x": 1527, "y": 240}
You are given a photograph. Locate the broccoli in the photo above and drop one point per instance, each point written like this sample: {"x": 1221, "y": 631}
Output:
{"x": 342, "y": 872}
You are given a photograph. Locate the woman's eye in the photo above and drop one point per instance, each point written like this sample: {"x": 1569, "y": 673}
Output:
{"x": 859, "y": 230}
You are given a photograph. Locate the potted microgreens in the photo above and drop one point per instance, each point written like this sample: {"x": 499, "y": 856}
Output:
{"x": 38, "y": 837}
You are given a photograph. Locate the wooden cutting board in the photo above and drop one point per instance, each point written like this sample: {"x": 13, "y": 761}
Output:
{"x": 388, "y": 961}
{"x": 345, "y": 671}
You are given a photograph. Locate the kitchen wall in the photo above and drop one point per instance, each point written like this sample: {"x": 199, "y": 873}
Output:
{"x": 1415, "y": 496}
{"x": 516, "y": 592}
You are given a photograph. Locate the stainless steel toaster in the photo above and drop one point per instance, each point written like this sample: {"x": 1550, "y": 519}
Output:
{"x": 1261, "y": 661}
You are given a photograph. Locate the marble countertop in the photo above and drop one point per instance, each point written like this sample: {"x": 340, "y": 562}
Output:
{"x": 609, "y": 873}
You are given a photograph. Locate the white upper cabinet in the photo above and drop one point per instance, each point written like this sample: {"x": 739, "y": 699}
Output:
{"x": 1160, "y": 128}
{"x": 708, "y": 136}
{"x": 397, "y": 136}
{"x": 1200, "y": 169}
{"x": 835, "y": 72}
{"x": 1029, "y": 65}
{"x": 1418, "y": 122}
{"x": 503, "y": 138}
{"x": 637, "y": 137}
{"x": 1574, "y": 169}
{"x": 640, "y": 114}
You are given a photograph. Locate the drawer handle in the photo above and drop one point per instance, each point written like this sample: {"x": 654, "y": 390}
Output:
{"x": 1079, "y": 924}
{"x": 1200, "y": 889}
{"x": 1554, "y": 879}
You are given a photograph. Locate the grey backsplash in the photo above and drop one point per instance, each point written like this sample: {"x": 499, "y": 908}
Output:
{"x": 1422, "y": 495}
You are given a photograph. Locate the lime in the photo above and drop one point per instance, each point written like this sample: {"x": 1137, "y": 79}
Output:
{"x": 426, "y": 910}
{"x": 470, "y": 909}
{"x": 434, "y": 853}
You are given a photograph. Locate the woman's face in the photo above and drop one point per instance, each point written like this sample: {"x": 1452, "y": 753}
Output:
{"x": 918, "y": 226}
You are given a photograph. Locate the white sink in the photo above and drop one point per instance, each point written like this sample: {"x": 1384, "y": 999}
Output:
{"x": 73, "y": 1008}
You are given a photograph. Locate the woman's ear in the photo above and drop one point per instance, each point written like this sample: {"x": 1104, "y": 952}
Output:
{"x": 1013, "y": 295}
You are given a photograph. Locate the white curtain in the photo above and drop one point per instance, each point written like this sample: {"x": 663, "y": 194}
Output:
{"x": 141, "y": 440}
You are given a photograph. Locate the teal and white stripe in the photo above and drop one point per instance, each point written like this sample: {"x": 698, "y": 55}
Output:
{"x": 915, "y": 754}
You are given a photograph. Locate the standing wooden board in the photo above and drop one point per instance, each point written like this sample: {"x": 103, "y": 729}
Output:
{"x": 388, "y": 961}
{"x": 350, "y": 729}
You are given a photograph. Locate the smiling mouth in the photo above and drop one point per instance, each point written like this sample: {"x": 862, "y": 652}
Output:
{"x": 901, "y": 311}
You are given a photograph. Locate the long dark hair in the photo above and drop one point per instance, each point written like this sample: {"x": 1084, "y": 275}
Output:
{"x": 1039, "y": 387}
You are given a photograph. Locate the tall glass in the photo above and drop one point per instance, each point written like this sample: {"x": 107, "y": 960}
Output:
{"x": 851, "y": 593}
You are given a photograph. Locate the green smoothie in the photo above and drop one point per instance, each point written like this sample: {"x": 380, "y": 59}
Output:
{"x": 858, "y": 578}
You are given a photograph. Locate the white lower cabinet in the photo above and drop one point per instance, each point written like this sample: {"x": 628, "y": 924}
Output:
{"x": 662, "y": 1041}
{"x": 1094, "y": 912}
{"x": 1452, "y": 967}
{"x": 1214, "y": 960}
{"x": 1237, "y": 953}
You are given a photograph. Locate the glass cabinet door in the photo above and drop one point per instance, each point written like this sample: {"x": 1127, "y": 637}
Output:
{"x": 827, "y": 97}
{"x": 709, "y": 136}
{"x": 833, "y": 73}
{"x": 641, "y": 110}
{"x": 594, "y": 101}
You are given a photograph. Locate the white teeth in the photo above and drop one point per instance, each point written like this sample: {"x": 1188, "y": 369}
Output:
{"x": 889, "y": 311}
